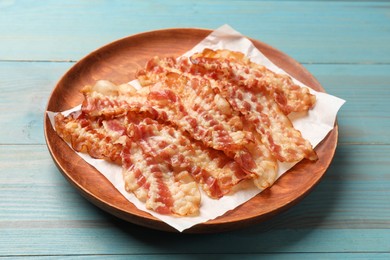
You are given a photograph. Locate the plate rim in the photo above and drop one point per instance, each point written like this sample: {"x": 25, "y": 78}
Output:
{"x": 150, "y": 221}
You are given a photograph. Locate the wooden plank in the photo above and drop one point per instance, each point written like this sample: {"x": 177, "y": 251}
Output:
{"x": 249, "y": 256}
{"x": 311, "y": 32}
{"x": 363, "y": 119}
{"x": 33, "y": 191}
{"x": 40, "y": 213}
{"x": 224, "y": 256}
{"x": 365, "y": 116}
{"x": 355, "y": 179}
{"x": 344, "y": 44}
{"x": 133, "y": 241}
{"x": 25, "y": 89}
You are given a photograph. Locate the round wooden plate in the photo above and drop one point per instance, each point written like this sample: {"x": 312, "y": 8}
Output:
{"x": 118, "y": 62}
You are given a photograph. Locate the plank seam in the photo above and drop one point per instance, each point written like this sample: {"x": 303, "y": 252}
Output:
{"x": 198, "y": 254}
{"x": 301, "y": 62}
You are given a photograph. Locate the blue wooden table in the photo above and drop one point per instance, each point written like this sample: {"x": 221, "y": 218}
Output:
{"x": 345, "y": 45}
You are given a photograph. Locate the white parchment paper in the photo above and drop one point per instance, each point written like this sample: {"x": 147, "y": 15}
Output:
{"x": 314, "y": 127}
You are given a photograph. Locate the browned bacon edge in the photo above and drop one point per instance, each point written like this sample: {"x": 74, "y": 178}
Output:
{"x": 159, "y": 168}
{"x": 108, "y": 139}
{"x": 276, "y": 130}
{"x": 232, "y": 66}
{"x": 256, "y": 104}
{"x": 109, "y": 105}
{"x": 213, "y": 170}
{"x": 142, "y": 133}
{"x": 160, "y": 70}
{"x": 154, "y": 182}
{"x": 88, "y": 136}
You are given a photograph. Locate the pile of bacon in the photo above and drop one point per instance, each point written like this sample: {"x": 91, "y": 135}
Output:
{"x": 210, "y": 121}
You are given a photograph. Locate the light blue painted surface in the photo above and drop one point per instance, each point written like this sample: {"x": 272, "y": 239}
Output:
{"x": 365, "y": 87}
{"x": 345, "y": 45}
{"x": 311, "y": 32}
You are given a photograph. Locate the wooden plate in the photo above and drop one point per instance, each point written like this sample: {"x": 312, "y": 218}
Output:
{"x": 118, "y": 62}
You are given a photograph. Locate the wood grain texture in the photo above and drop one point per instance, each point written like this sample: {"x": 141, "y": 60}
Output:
{"x": 365, "y": 116}
{"x": 352, "y": 194}
{"x": 351, "y": 200}
{"x": 118, "y": 63}
{"x": 363, "y": 119}
{"x": 344, "y": 44}
{"x": 111, "y": 241}
{"x": 309, "y": 31}
{"x": 25, "y": 88}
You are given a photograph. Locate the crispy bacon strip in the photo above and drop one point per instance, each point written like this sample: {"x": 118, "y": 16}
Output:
{"x": 164, "y": 189}
{"x": 165, "y": 102}
{"x": 154, "y": 182}
{"x": 199, "y": 111}
{"x": 276, "y": 130}
{"x": 225, "y": 65}
{"x": 256, "y": 104}
{"x": 190, "y": 105}
{"x": 212, "y": 169}
{"x": 106, "y": 99}
{"x": 90, "y": 136}
{"x": 165, "y": 150}
{"x": 214, "y": 106}
{"x": 216, "y": 119}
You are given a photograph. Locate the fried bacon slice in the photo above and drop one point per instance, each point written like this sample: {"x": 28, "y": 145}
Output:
{"x": 155, "y": 183}
{"x": 90, "y": 136}
{"x": 234, "y": 67}
{"x": 215, "y": 114}
{"x": 255, "y": 103}
{"x": 214, "y": 120}
{"x": 212, "y": 169}
{"x": 172, "y": 100}
{"x": 276, "y": 130}
{"x": 164, "y": 189}
{"x": 152, "y": 155}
